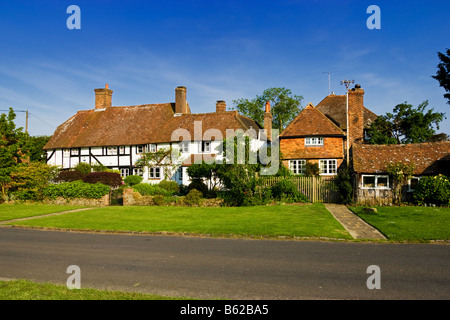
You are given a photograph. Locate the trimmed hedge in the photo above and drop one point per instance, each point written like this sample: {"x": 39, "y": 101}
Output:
{"x": 111, "y": 179}
{"x": 69, "y": 176}
{"x": 76, "y": 189}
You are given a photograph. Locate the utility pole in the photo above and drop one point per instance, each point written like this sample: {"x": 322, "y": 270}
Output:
{"x": 26, "y": 117}
{"x": 347, "y": 84}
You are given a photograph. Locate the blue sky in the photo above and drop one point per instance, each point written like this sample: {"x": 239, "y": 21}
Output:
{"x": 219, "y": 50}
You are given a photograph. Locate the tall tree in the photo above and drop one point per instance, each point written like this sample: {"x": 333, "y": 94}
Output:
{"x": 12, "y": 147}
{"x": 285, "y": 106}
{"x": 406, "y": 125}
{"x": 443, "y": 73}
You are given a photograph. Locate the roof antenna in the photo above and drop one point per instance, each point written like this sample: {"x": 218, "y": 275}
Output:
{"x": 329, "y": 81}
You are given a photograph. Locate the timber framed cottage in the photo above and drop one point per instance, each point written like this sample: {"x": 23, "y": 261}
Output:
{"x": 117, "y": 137}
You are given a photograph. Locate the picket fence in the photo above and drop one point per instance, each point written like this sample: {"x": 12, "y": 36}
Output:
{"x": 317, "y": 189}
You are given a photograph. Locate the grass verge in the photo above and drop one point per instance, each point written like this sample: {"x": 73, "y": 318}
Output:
{"x": 409, "y": 223}
{"x": 17, "y": 211}
{"x": 260, "y": 221}
{"x": 28, "y": 290}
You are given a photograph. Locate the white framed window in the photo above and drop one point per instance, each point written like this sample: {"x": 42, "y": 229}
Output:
{"x": 122, "y": 150}
{"x": 184, "y": 147}
{"x": 74, "y": 152}
{"x": 375, "y": 182}
{"x": 139, "y": 149}
{"x": 412, "y": 183}
{"x": 205, "y": 146}
{"x": 150, "y": 147}
{"x": 328, "y": 166}
{"x": 154, "y": 173}
{"x": 124, "y": 172}
{"x": 111, "y": 151}
{"x": 66, "y": 153}
{"x": 313, "y": 141}
{"x": 297, "y": 166}
{"x": 138, "y": 172}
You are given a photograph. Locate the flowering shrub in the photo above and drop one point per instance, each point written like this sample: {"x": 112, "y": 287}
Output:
{"x": 433, "y": 190}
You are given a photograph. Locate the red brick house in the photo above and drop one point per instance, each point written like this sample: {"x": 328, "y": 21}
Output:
{"x": 318, "y": 134}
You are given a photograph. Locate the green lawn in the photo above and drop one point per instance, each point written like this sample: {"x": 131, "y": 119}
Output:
{"x": 28, "y": 290}
{"x": 409, "y": 223}
{"x": 16, "y": 211}
{"x": 261, "y": 221}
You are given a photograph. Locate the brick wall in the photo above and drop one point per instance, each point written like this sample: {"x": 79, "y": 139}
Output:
{"x": 294, "y": 148}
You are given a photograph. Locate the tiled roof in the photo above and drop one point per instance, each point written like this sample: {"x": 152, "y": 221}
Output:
{"x": 428, "y": 158}
{"x": 142, "y": 124}
{"x": 334, "y": 107}
{"x": 311, "y": 122}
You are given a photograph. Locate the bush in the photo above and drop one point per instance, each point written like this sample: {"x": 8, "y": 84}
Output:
{"x": 171, "y": 186}
{"x": 433, "y": 190}
{"x": 132, "y": 180}
{"x": 83, "y": 167}
{"x": 69, "y": 176}
{"x": 158, "y": 200}
{"x": 194, "y": 197}
{"x": 25, "y": 194}
{"x": 344, "y": 184}
{"x": 199, "y": 186}
{"x": 285, "y": 190}
{"x": 146, "y": 189}
{"x": 111, "y": 179}
{"x": 76, "y": 189}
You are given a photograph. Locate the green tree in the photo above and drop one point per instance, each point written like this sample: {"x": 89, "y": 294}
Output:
{"x": 406, "y": 125}
{"x": 13, "y": 149}
{"x": 35, "y": 145}
{"x": 443, "y": 73}
{"x": 33, "y": 176}
{"x": 284, "y": 106}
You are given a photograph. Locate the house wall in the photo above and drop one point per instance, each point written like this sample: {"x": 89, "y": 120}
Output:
{"x": 294, "y": 148}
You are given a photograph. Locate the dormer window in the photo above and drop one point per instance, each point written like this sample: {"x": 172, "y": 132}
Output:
{"x": 313, "y": 141}
{"x": 206, "y": 146}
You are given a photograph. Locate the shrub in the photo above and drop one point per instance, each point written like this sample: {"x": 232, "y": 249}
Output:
{"x": 111, "y": 179}
{"x": 83, "y": 167}
{"x": 69, "y": 176}
{"x": 194, "y": 197}
{"x": 344, "y": 184}
{"x": 76, "y": 189}
{"x": 133, "y": 180}
{"x": 171, "y": 186}
{"x": 25, "y": 194}
{"x": 158, "y": 200}
{"x": 433, "y": 190}
{"x": 147, "y": 189}
{"x": 199, "y": 186}
{"x": 286, "y": 191}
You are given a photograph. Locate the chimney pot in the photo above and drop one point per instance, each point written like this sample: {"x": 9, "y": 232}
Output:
{"x": 268, "y": 106}
{"x": 103, "y": 98}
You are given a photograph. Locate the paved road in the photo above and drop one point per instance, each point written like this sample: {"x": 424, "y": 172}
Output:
{"x": 228, "y": 268}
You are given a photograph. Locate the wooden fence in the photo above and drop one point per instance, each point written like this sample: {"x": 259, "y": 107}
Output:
{"x": 317, "y": 189}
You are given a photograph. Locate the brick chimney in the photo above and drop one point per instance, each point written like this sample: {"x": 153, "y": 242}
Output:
{"x": 356, "y": 115}
{"x": 221, "y": 106}
{"x": 268, "y": 121}
{"x": 103, "y": 98}
{"x": 180, "y": 100}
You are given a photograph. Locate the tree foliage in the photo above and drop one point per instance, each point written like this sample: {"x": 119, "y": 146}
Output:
{"x": 406, "y": 125}
{"x": 443, "y": 73}
{"x": 284, "y": 106}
